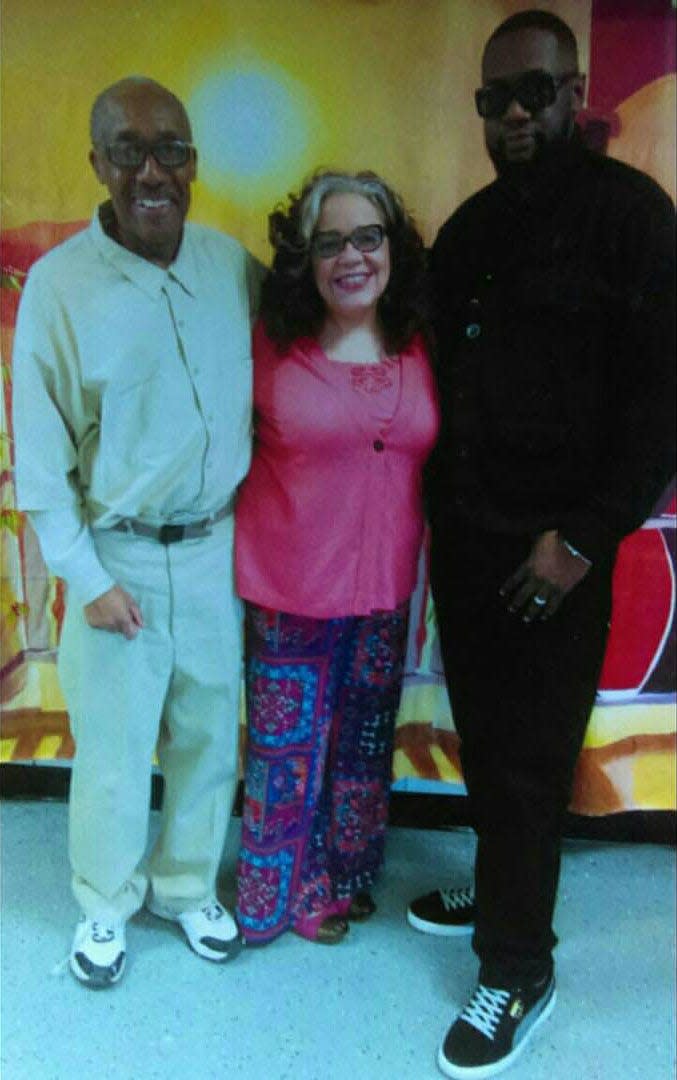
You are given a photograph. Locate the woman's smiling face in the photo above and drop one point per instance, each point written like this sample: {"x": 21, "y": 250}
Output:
{"x": 351, "y": 282}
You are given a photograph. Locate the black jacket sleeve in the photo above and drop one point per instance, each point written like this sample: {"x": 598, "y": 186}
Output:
{"x": 640, "y": 380}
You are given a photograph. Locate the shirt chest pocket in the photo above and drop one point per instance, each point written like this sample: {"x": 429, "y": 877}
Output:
{"x": 146, "y": 421}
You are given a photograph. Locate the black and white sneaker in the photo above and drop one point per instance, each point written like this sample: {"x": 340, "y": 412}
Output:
{"x": 445, "y": 912}
{"x": 97, "y": 957}
{"x": 494, "y": 1028}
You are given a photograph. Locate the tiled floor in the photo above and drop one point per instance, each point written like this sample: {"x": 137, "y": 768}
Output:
{"x": 373, "y": 1008}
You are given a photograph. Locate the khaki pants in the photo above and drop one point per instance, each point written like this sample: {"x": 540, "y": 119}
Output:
{"x": 176, "y": 685}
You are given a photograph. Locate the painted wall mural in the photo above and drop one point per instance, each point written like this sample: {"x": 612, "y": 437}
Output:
{"x": 275, "y": 90}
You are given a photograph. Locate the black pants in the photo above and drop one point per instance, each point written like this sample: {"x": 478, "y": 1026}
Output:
{"x": 521, "y": 695}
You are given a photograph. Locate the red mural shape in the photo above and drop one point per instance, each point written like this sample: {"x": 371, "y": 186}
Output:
{"x": 643, "y": 609}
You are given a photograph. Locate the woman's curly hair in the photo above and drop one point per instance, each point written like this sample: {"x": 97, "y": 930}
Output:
{"x": 291, "y": 306}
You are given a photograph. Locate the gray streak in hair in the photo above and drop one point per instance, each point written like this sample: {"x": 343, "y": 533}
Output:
{"x": 337, "y": 183}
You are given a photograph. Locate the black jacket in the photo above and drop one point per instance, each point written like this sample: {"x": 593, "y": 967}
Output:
{"x": 555, "y": 327}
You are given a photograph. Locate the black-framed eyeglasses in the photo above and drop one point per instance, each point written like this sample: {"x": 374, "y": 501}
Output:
{"x": 168, "y": 153}
{"x": 534, "y": 90}
{"x": 364, "y": 238}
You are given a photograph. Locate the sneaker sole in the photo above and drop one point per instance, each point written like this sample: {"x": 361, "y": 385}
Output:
{"x": 482, "y": 1072}
{"x": 439, "y": 929}
{"x": 234, "y": 948}
{"x": 234, "y": 944}
{"x": 100, "y": 979}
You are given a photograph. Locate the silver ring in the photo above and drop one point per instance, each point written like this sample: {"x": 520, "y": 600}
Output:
{"x": 540, "y": 601}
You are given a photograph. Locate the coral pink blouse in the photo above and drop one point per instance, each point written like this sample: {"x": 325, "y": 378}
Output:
{"x": 329, "y": 520}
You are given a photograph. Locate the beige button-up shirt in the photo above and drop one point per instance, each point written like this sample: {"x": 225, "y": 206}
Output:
{"x": 132, "y": 390}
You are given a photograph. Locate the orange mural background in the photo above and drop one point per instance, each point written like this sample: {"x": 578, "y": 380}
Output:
{"x": 275, "y": 90}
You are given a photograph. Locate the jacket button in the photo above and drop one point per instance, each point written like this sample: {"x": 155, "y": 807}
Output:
{"x": 378, "y": 446}
{"x": 473, "y": 330}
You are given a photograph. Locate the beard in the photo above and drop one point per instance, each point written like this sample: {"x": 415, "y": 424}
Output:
{"x": 548, "y": 148}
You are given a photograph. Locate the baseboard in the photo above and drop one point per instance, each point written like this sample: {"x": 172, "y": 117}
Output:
{"x": 407, "y": 809}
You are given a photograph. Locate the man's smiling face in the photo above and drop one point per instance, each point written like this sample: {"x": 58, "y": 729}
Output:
{"x": 150, "y": 202}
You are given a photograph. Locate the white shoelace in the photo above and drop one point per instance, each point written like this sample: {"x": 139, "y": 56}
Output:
{"x": 452, "y": 899}
{"x": 485, "y": 1008}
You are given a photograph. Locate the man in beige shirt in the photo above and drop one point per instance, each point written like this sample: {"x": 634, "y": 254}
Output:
{"x": 132, "y": 405}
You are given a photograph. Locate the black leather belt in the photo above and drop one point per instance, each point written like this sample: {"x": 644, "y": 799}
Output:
{"x": 173, "y": 534}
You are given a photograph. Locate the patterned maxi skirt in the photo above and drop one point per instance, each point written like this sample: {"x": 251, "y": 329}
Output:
{"x": 322, "y": 696}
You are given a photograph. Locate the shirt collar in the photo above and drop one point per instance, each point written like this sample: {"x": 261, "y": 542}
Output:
{"x": 148, "y": 277}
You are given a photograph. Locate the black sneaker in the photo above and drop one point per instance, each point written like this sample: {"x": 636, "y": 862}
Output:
{"x": 494, "y": 1028}
{"x": 444, "y": 911}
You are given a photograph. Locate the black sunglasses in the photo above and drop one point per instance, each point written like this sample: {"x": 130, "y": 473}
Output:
{"x": 169, "y": 154}
{"x": 364, "y": 238}
{"x": 535, "y": 90}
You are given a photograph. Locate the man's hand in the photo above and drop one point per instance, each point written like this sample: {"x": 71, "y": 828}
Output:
{"x": 115, "y": 611}
{"x": 539, "y": 585}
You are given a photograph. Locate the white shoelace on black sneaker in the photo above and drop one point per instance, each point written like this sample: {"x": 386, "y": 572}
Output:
{"x": 455, "y": 899}
{"x": 485, "y": 1009}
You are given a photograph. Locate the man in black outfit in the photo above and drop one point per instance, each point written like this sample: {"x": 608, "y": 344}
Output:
{"x": 555, "y": 324}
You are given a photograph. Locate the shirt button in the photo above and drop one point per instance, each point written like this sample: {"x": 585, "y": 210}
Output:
{"x": 378, "y": 445}
{"x": 463, "y": 451}
{"x": 473, "y": 330}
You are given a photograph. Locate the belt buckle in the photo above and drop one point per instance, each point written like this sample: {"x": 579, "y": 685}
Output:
{"x": 171, "y": 534}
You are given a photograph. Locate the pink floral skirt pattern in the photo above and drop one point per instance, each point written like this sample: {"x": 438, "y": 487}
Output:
{"x": 322, "y": 696}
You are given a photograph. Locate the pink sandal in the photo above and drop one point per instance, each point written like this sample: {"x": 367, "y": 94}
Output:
{"x": 326, "y": 927}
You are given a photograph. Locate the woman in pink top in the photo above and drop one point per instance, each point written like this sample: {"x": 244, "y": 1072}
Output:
{"x": 328, "y": 530}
